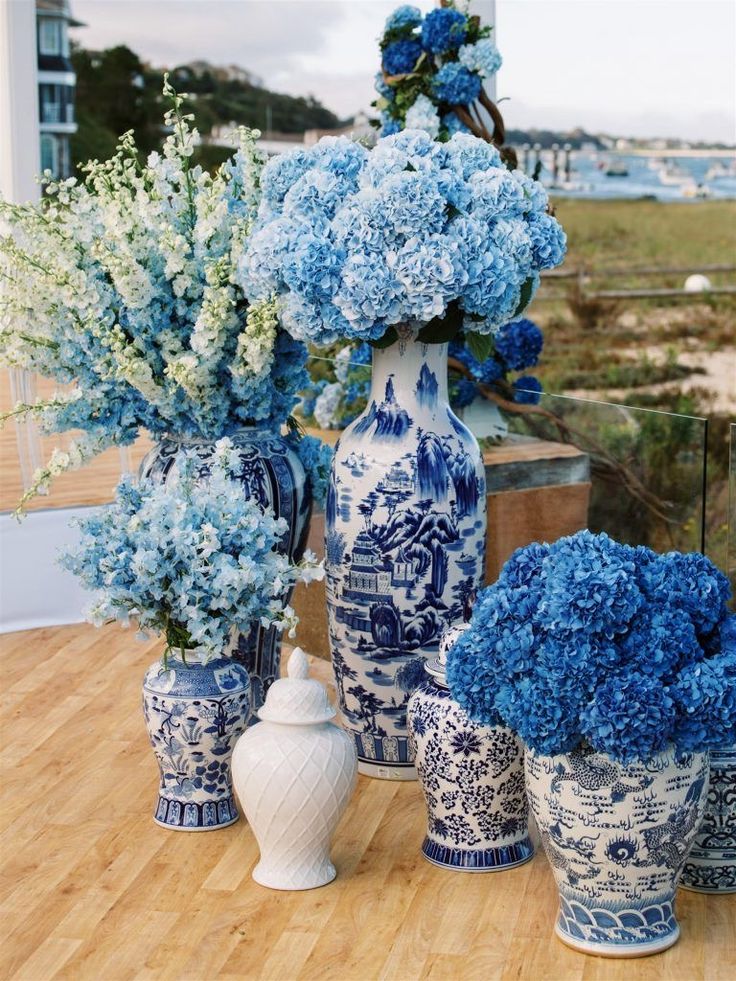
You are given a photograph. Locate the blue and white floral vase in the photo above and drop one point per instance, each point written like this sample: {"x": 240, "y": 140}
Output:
{"x": 273, "y": 475}
{"x": 194, "y": 712}
{"x": 405, "y": 545}
{"x": 617, "y": 837}
{"x": 472, "y": 777}
{"x": 711, "y": 866}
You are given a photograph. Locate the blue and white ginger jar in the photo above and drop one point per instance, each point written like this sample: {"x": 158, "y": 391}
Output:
{"x": 711, "y": 866}
{"x": 405, "y": 546}
{"x": 617, "y": 837}
{"x": 272, "y": 475}
{"x": 194, "y": 713}
{"x": 472, "y": 778}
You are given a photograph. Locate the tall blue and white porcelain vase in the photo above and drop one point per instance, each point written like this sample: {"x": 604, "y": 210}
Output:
{"x": 405, "y": 548}
{"x": 273, "y": 475}
{"x": 617, "y": 837}
{"x": 711, "y": 866}
{"x": 194, "y": 712}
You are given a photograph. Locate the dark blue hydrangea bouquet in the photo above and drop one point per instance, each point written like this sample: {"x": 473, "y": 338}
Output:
{"x": 193, "y": 561}
{"x": 590, "y": 642}
{"x": 432, "y": 72}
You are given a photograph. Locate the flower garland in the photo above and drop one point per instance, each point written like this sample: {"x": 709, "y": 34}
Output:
{"x": 432, "y": 73}
{"x": 588, "y": 641}
{"x": 123, "y": 287}
{"x": 192, "y": 563}
{"x": 441, "y": 236}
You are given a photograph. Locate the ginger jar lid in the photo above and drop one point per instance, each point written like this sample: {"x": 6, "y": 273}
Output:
{"x": 437, "y": 666}
{"x": 297, "y": 699}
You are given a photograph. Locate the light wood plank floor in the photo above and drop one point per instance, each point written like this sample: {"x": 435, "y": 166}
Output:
{"x": 93, "y": 889}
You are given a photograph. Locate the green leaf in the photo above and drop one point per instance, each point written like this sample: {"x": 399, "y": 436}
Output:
{"x": 525, "y": 297}
{"x": 389, "y": 338}
{"x": 441, "y": 330}
{"x": 479, "y": 345}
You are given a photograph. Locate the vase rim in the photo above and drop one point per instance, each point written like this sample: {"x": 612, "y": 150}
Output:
{"x": 195, "y": 440}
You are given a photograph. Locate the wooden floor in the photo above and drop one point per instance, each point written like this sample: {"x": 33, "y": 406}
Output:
{"x": 93, "y": 889}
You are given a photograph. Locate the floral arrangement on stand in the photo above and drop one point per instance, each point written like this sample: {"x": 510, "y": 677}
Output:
{"x": 432, "y": 72}
{"x": 608, "y": 662}
{"x": 195, "y": 562}
{"x": 354, "y": 243}
{"x": 121, "y": 288}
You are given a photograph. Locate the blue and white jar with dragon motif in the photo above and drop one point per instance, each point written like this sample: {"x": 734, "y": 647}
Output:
{"x": 194, "y": 712}
{"x": 272, "y": 475}
{"x": 711, "y": 866}
{"x": 617, "y": 837}
{"x": 405, "y": 548}
{"x": 472, "y": 778}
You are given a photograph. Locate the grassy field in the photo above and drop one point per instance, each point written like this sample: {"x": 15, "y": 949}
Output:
{"x": 675, "y": 355}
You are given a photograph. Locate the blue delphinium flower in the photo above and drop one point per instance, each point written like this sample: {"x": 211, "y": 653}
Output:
{"x": 400, "y": 58}
{"x": 527, "y": 390}
{"x": 443, "y": 29}
{"x": 519, "y": 344}
{"x": 455, "y": 85}
{"x": 405, "y": 17}
{"x": 589, "y": 641}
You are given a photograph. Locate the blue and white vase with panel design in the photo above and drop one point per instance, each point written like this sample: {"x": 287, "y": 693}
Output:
{"x": 711, "y": 866}
{"x": 271, "y": 474}
{"x": 472, "y": 778}
{"x": 405, "y": 546}
{"x": 194, "y": 713}
{"x": 617, "y": 837}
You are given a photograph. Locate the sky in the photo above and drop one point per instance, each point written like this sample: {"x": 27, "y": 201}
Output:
{"x": 642, "y": 68}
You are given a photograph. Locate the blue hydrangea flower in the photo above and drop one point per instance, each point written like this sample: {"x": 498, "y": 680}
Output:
{"x": 385, "y": 90}
{"x": 463, "y": 394}
{"x": 443, "y": 29}
{"x": 588, "y": 641}
{"x": 400, "y": 58}
{"x": 483, "y": 57}
{"x": 405, "y": 17}
{"x": 548, "y": 240}
{"x": 519, "y": 344}
{"x": 455, "y": 85}
{"x": 389, "y": 125}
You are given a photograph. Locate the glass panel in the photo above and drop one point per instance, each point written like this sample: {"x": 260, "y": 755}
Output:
{"x": 646, "y": 468}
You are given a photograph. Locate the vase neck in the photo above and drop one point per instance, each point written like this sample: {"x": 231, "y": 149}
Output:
{"x": 413, "y": 372}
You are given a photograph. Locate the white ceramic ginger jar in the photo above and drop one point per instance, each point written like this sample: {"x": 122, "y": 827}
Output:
{"x": 294, "y": 773}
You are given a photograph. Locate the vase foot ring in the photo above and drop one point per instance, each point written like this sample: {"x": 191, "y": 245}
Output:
{"x": 620, "y": 950}
{"x": 285, "y": 884}
{"x": 208, "y": 827}
{"x": 384, "y": 771}
{"x": 709, "y": 892}
{"x": 464, "y": 868}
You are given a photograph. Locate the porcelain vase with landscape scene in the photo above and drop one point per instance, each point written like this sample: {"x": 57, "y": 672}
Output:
{"x": 194, "y": 712}
{"x": 617, "y": 837}
{"x": 405, "y": 546}
{"x": 273, "y": 475}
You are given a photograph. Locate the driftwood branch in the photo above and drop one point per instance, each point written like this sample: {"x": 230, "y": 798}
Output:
{"x": 605, "y": 465}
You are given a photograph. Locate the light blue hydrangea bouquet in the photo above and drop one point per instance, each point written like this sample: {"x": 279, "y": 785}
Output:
{"x": 442, "y": 237}
{"x": 194, "y": 562}
{"x": 590, "y": 642}
{"x": 432, "y": 72}
{"x": 121, "y": 289}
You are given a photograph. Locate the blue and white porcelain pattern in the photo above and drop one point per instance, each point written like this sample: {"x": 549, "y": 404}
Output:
{"x": 405, "y": 546}
{"x": 617, "y": 838}
{"x": 472, "y": 778}
{"x": 711, "y": 866}
{"x": 273, "y": 475}
{"x": 194, "y": 713}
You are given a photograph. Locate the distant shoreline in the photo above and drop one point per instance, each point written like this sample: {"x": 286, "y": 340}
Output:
{"x": 652, "y": 152}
